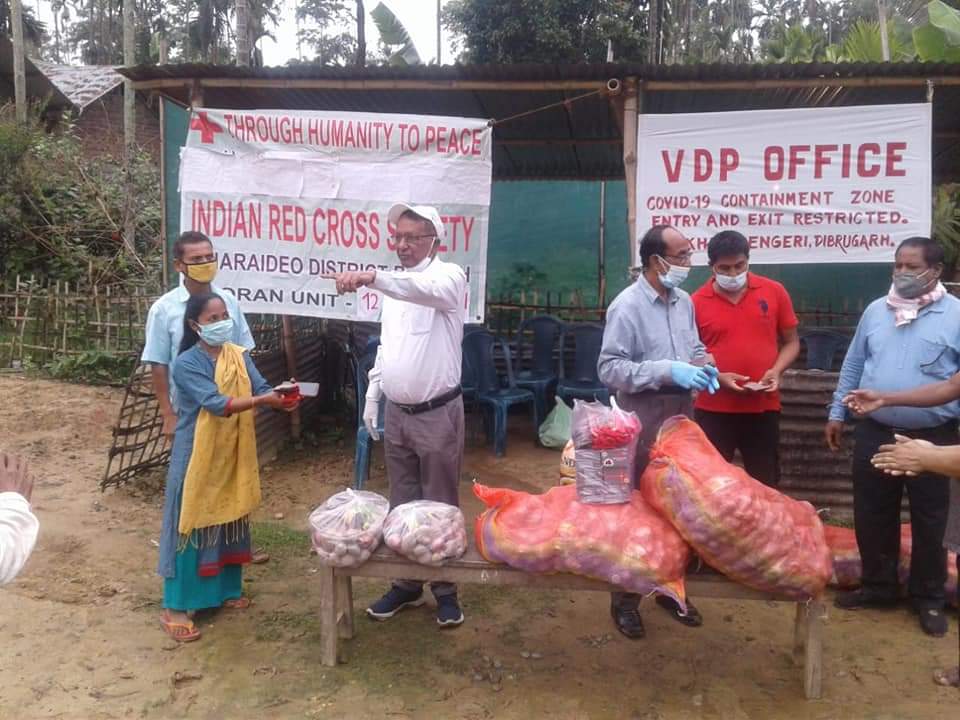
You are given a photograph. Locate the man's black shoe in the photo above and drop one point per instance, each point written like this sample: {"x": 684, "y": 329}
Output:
{"x": 628, "y": 621}
{"x": 860, "y": 598}
{"x": 690, "y": 618}
{"x": 933, "y": 621}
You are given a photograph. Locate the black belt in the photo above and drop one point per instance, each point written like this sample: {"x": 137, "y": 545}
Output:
{"x": 433, "y": 404}
{"x": 950, "y": 426}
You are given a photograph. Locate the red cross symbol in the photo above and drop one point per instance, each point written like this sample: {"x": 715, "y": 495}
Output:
{"x": 207, "y": 127}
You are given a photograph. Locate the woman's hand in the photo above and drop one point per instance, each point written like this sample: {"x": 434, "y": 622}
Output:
{"x": 272, "y": 400}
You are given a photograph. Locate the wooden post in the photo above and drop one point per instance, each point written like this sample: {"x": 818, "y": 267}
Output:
{"x": 243, "y": 33}
{"x": 328, "y": 616}
{"x": 631, "y": 109}
{"x": 361, "y": 59}
{"x": 19, "y": 68}
{"x": 290, "y": 353}
{"x": 439, "y": 46}
{"x": 344, "y": 593}
{"x": 602, "y": 248}
{"x": 129, "y": 126}
{"x": 813, "y": 664}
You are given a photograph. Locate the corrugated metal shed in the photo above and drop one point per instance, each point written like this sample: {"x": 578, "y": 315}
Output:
{"x": 574, "y": 138}
{"x": 81, "y": 84}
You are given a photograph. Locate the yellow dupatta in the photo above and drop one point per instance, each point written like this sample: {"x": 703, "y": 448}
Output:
{"x": 222, "y": 484}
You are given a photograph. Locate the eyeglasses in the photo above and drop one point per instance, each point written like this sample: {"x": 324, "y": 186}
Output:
{"x": 410, "y": 239}
{"x": 684, "y": 259}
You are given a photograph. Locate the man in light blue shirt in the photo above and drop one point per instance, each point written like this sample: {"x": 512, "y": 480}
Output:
{"x": 195, "y": 258}
{"x": 907, "y": 339}
{"x": 653, "y": 358}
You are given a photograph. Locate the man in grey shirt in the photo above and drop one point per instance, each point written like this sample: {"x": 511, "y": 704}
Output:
{"x": 653, "y": 358}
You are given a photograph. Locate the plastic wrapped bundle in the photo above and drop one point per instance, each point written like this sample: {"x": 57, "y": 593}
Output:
{"x": 427, "y": 532}
{"x": 568, "y": 464}
{"x": 847, "y": 566}
{"x": 628, "y": 545}
{"x": 739, "y": 526}
{"x": 347, "y": 528}
{"x": 605, "y": 439}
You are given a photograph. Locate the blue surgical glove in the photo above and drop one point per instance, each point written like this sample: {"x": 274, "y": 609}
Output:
{"x": 691, "y": 377}
{"x": 714, "y": 378}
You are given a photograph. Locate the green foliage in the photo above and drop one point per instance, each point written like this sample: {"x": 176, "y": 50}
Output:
{"x": 523, "y": 276}
{"x": 551, "y": 31}
{"x": 794, "y": 44}
{"x": 939, "y": 39}
{"x": 946, "y": 221}
{"x": 63, "y": 212}
{"x": 93, "y": 367}
{"x": 864, "y": 43}
{"x": 394, "y": 34}
{"x": 322, "y": 30}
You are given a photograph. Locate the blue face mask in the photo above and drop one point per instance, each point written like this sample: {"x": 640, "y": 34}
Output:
{"x": 217, "y": 333}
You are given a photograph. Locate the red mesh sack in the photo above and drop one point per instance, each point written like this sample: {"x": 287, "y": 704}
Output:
{"x": 628, "y": 545}
{"x": 751, "y": 533}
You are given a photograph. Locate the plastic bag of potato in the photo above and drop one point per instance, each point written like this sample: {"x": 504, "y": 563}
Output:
{"x": 426, "y": 532}
{"x": 347, "y": 528}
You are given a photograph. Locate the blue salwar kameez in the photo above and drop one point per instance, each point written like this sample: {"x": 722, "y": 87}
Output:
{"x": 200, "y": 574}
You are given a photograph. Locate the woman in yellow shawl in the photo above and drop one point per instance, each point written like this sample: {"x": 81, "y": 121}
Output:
{"x": 213, "y": 483}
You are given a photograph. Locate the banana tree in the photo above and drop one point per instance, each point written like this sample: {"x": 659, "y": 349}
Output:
{"x": 394, "y": 35}
{"x": 939, "y": 39}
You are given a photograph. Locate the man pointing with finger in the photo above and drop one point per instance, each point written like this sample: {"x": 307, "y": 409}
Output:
{"x": 417, "y": 371}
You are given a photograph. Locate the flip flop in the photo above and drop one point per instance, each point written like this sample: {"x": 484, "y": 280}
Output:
{"x": 240, "y": 603}
{"x": 950, "y": 677}
{"x": 181, "y": 632}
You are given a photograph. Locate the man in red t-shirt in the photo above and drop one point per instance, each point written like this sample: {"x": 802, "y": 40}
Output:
{"x": 747, "y": 323}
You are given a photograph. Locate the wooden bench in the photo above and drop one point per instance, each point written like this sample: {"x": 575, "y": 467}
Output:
{"x": 336, "y": 606}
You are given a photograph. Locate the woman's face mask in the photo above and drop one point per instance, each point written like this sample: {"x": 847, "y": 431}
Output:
{"x": 217, "y": 333}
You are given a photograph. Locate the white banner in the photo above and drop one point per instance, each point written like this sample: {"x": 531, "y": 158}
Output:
{"x": 821, "y": 185}
{"x": 286, "y": 196}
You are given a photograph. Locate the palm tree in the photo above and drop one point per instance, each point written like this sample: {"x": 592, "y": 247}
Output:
{"x": 34, "y": 31}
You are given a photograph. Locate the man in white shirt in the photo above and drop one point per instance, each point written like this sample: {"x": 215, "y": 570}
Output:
{"x": 195, "y": 259}
{"x": 18, "y": 525}
{"x": 418, "y": 370}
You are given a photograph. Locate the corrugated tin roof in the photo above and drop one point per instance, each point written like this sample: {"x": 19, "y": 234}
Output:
{"x": 526, "y": 72}
{"x": 81, "y": 84}
{"x": 39, "y": 86}
{"x": 581, "y": 139}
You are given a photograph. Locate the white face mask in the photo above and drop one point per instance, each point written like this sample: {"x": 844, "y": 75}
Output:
{"x": 674, "y": 276}
{"x": 732, "y": 283}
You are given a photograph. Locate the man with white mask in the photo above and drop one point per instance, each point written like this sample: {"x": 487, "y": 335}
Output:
{"x": 653, "y": 358}
{"x": 417, "y": 371}
{"x": 748, "y": 325}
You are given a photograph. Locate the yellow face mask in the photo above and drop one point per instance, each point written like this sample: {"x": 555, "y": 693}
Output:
{"x": 202, "y": 272}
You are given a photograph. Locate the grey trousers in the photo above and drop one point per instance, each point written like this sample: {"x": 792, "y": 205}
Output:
{"x": 424, "y": 455}
{"x": 652, "y": 408}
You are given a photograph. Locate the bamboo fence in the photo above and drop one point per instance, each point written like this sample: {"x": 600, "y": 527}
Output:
{"x": 42, "y": 321}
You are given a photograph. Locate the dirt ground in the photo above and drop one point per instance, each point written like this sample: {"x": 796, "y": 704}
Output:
{"x": 80, "y": 637}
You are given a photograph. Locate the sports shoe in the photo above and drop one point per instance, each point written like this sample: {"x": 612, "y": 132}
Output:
{"x": 394, "y": 601}
{"x": 449, "y": 613}
{"x": 933, "y": 621}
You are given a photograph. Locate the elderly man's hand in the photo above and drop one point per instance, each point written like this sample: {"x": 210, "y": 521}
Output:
{"x": 14, "y": 475}
{"x": 904, "y": 458}
{"x": 348, "y": 282}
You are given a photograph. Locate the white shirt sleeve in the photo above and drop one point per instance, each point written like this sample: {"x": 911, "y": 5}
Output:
{"x": 374, "y": 386}
{"x": 442, "y": 288}
{"x": 18, "y": 534}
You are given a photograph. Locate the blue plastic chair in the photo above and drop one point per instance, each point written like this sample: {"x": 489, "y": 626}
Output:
{"x": 822, "y": 347}
{"x": 584, "y": 383}
{"x": 491, "y": 393}
{"x": 361, "y": 368}
{"x": 542, "y": 373}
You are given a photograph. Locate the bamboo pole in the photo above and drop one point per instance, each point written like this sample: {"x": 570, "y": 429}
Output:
{"x": 129, "y": 127}
{"x": 243, "y": 33}
{"x": 290, "y": 353}
{"x": 333, "y": 84}
{"x": 631, "y": 110}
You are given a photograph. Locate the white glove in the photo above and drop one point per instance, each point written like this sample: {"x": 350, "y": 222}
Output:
{"x": 371, "y": 413}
